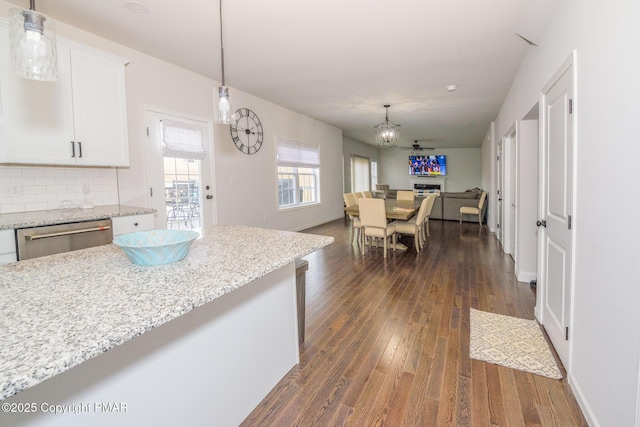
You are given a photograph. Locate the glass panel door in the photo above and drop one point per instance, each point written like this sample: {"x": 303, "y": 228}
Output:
{"x": 181, "y": 189}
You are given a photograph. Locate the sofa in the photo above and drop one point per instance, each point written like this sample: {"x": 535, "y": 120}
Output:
{"x": 448, "y": 205}
{"x": 383, "y": 191}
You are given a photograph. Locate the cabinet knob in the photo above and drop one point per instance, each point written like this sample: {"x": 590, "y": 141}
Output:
{"x": 135, "y": 224}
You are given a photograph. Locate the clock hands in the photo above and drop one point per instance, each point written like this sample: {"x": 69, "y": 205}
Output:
{"x": 247, "y": 131}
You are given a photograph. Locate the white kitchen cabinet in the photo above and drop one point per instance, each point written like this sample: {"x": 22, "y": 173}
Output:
{"x": 131, "y": 223}
{"x": 79, "y": 120}
{"x": 7, "y": 246}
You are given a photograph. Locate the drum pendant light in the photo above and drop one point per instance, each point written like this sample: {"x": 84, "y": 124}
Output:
{"x": 32, "y": 41}
{"x": 223, "y": 111}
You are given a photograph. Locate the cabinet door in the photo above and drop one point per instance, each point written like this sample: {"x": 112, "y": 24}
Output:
{"x": 37, "y": 117}
{"x": 99, "y": 105}
{"x": 7, "y": 246}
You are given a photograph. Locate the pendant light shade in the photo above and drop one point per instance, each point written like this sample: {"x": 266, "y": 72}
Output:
{"x": 387, "y": 133}
{"x": 223, "y": 113}
{"x": 32, "y": 42}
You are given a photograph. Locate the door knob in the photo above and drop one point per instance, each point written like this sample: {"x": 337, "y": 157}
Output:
{"x": 542, "y": 223}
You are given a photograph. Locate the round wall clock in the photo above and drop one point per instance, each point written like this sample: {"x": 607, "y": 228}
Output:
{"x": 247, "y": 131}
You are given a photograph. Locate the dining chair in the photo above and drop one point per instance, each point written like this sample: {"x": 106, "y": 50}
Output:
{"x": 350, "y": 200}
{"x": 381, "y": 190}
{"x": 358, "y": 195}
{"x": 413, "y": 226}
{"x": 405, "y": 195}
{"x": 367, "y": 194}
{"x": 425, "y": 228}
{"x": 470, "y": 210}
{"x": 373, "y": 218}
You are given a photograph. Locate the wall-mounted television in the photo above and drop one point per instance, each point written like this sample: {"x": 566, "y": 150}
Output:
{"x": 428, "y": 165}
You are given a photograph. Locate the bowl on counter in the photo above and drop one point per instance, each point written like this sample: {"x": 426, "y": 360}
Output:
{"x": 156, "y": 247}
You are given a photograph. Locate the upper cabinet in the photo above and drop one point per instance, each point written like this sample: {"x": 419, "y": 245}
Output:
{"x": 79, "y": 120}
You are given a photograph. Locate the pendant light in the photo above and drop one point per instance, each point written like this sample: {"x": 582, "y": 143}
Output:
{"x": 387, "y": 133}
{"x": 32, "y": 42}
{"x": 223, "y": 113}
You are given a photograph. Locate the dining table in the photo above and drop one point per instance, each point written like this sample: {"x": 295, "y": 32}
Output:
{"x": 395, "y": 210}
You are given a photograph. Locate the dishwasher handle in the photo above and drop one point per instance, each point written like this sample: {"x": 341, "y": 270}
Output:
{"x": 66, "y": 233}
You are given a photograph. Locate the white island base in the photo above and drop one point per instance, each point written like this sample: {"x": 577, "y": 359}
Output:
{"x": 209, "y": 367}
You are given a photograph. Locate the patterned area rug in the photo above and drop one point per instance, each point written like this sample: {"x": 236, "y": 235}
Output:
{"x": 511, "y": 342}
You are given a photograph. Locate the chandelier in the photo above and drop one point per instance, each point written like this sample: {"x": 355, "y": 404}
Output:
{"x": 387, "y": 133}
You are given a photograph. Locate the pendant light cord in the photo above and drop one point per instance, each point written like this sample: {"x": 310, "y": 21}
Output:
{"x": 221, "y": 44}
{"x": 32, "y": 4}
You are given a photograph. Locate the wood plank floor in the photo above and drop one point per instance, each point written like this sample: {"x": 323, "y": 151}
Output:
{"x": 387, "y": 340}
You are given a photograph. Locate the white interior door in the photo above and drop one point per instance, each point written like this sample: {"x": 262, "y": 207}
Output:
{"x": 557, "y": 210}
{"x": 500, "y": 185}
{"x": 182, "y": 190}
{"x": 513, "y": 167}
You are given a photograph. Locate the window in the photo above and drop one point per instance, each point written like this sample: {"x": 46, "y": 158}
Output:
{"x": 359, "y": 174}
{"x": 298, "y": 173}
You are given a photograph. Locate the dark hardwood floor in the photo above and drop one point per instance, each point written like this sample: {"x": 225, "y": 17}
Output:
{"x": 387, "y": 340}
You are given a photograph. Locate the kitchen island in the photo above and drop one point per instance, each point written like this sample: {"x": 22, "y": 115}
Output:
{"x": 197, "y": 342}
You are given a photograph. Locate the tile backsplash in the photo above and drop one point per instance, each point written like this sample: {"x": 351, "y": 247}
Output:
{"x": 35, "y": 188}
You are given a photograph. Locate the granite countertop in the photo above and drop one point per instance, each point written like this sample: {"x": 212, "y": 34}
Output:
{"x": 62, "y": 216}
{"x": 61, "y": 310}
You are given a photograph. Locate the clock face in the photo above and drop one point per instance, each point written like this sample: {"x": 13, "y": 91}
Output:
{"x": 247, "y": 131}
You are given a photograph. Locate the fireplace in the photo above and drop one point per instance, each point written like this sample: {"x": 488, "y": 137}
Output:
{"x": 425, "y": 185}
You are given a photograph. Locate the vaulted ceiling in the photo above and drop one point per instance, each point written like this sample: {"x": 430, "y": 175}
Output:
{"x": 340, "y": 61}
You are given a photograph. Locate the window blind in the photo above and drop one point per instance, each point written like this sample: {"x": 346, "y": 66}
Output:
{"x": 360, "y": 174}
{"x": 293, "y": 153}
{"x": 182, "y": 140}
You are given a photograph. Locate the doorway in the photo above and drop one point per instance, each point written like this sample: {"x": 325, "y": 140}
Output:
{"x": 512, "y": 170}
{"x": 180, "y": 170}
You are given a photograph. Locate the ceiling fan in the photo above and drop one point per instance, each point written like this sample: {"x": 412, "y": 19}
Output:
{"x": 415, "y": 147}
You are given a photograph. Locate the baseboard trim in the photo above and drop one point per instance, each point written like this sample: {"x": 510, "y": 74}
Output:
{"x": 311, "y": 225}
{"x": 526, "y": 276}
{"x": 582, "y": 402}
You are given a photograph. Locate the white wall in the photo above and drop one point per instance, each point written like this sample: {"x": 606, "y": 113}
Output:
{"x": 605, "y": 323}
{"x": 247, "y": 185}
{"x": 154, "y": 83}
{"x": 350, "y": 147}
{"x": 464, "y": 167}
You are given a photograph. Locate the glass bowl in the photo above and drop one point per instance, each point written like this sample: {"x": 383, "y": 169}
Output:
{"x": 156, "y": 247}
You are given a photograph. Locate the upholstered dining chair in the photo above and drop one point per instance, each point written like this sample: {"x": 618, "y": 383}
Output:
{"x": 413, "y": 226}
{"x": 367, "y": 194}
{"x": 358, "y": 195}
{"x": 350, "y": 200}
{"x": 431, "y": 201}
{"x": 405, "y": 195}
{"x": 382, "y": 190}
{"x": 373, "y": 218}
{"x": 470, "y": 210}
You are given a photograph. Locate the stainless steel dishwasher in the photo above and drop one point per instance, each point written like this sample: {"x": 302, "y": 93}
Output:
{"x": 53, "y": 239}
